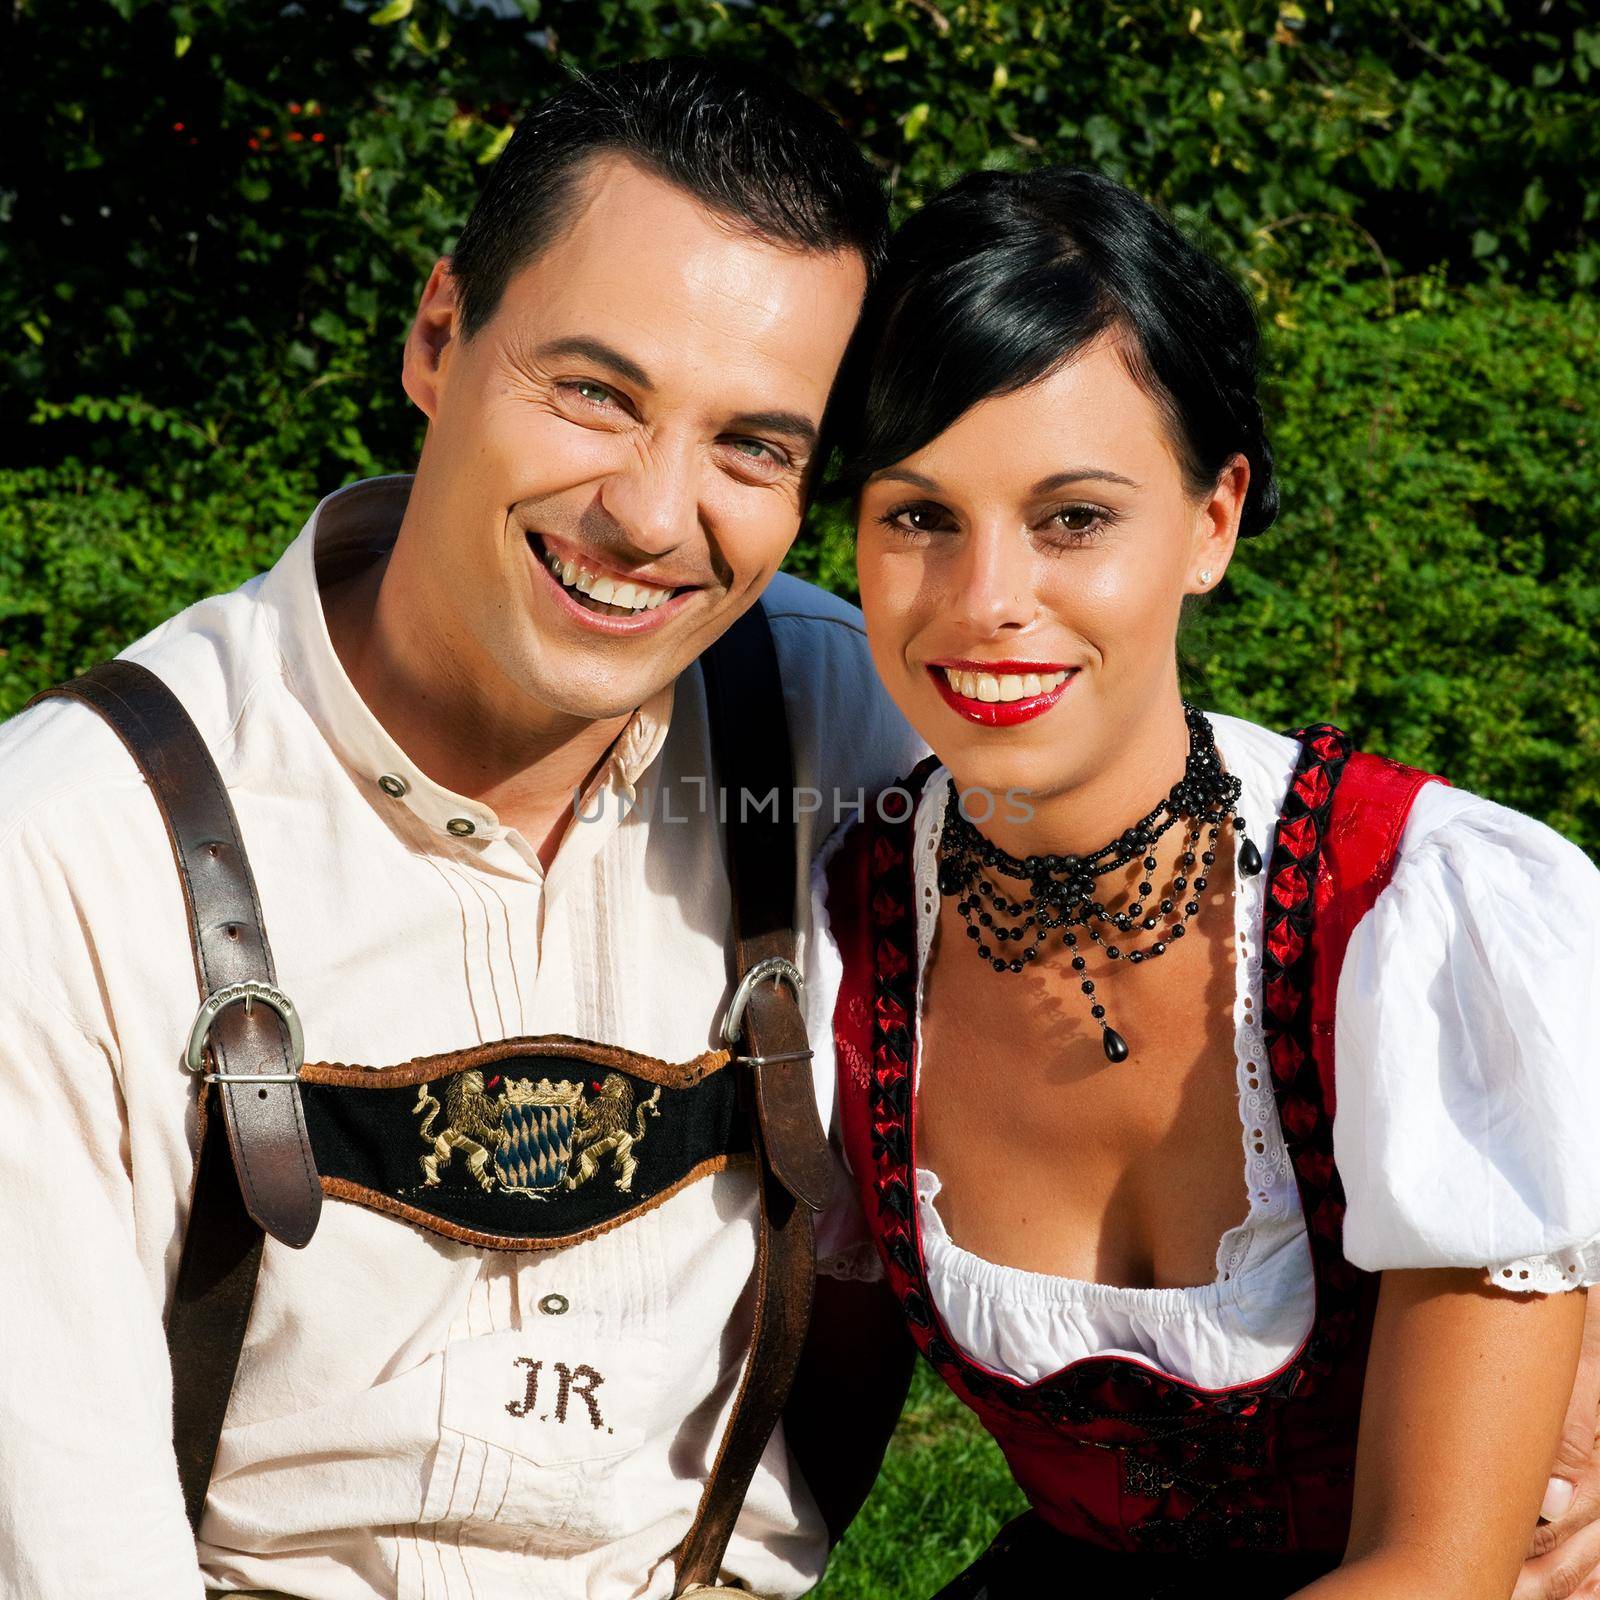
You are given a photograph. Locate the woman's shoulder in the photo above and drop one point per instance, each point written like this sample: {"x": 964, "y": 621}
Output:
{"x": 1467, "y": 1025}
{"x": 896, "y": 806}
{"x": 1455, "y": 833}
{"x": 1447, "y": 829}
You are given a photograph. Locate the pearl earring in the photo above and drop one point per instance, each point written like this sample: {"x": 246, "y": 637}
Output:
{"x": 1205, "y": 577}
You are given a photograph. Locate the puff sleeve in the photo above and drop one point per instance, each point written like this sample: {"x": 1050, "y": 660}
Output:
{"x": 1467, "y": 1052}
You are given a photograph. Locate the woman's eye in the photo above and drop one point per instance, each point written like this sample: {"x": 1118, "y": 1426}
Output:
{"x": 1080, "y": 522}
{"x": 921, "y": 517}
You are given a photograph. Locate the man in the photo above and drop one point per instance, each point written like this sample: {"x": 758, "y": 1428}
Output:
{"x": 625, "y": 369}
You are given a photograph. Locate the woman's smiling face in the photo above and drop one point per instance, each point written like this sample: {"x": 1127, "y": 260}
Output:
{"x": 1023, "y": 573}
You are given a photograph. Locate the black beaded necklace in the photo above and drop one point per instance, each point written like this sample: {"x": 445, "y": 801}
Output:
{"x": 1061, "y": 889}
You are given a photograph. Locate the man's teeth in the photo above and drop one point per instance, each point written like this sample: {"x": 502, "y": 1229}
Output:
{"x": 631, "y": 596}
{"x": 1004, "y": 686}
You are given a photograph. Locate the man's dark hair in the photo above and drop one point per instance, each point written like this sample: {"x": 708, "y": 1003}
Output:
{"x": 1005, "y": 277}
{"x": 760, "y": 154}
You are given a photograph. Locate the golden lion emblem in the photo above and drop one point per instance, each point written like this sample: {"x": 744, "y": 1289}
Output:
{"x": 534, "y": 1138}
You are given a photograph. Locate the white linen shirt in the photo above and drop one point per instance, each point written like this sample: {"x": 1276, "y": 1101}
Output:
{"x": 355, "y": 1464}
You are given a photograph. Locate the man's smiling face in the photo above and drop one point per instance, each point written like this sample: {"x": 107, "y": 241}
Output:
{"x": 617, "y": 460}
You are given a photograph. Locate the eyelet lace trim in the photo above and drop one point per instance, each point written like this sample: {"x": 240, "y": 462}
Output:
{"x": 1268, "y": 1173}
{"x": 1549, "y": 1274}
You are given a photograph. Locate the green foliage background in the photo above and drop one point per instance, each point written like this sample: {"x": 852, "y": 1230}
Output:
{"x": 218, "y": 218}
{"x": 215, "y": 219}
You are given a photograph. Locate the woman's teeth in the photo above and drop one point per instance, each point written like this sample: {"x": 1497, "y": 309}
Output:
{"x": 1001, "y": 687}
{"x": 608, "y": 591}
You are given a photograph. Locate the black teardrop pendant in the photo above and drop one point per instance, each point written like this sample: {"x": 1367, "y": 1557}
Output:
{"x": 1249, "y": 859}
{"x": 1116, "y": 1046}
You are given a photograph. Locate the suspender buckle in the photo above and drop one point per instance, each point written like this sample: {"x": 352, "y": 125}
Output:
{"x": 249, "y": 990}
{"x": 779, "y": 971}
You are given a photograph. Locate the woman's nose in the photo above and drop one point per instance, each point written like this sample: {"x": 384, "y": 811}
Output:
{"x": 994, "y": 581}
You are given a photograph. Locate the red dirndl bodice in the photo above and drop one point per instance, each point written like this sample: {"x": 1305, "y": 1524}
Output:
{"x": 1110, "y": 1450}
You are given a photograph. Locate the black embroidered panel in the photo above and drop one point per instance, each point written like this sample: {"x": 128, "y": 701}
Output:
{"x": 524, "y": 1151}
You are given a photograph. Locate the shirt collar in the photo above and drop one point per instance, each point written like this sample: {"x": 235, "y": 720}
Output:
{"x": 349, "y": 528}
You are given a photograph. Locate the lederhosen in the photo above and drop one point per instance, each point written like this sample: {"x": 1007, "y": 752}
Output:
{"x": 455, "y": 1143}
{"x": 1142, "y": 1485}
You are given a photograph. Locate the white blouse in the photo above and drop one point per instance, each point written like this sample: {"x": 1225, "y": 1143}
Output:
{"x": 1468, "y": 1048}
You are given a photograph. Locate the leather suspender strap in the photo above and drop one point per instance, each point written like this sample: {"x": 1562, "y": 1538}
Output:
{"x": 255, "y": 1170}
{"x": 755, "y": 770}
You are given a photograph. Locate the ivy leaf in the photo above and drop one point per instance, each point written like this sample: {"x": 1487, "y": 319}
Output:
{"x": 491, "y": 151}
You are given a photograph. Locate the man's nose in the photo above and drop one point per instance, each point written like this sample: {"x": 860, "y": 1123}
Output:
{"x": 654, "y": 499}
{"x": 994, "y": 581}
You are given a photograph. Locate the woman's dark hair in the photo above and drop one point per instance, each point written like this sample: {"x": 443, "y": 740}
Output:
{"x": 751, "y": 148}
{"x": 1005, "y": 276}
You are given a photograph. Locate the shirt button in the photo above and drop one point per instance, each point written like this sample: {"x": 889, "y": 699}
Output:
{"x": 553, "y": 1304}
{"x": 461, "y": 827}
{"x": 393, "y": 785}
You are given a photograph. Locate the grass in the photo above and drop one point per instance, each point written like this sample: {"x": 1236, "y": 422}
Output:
{"x": 942, "y": 1495}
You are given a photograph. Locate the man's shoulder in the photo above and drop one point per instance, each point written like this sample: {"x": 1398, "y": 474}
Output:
{"x": 789, "y": 599}
{"x": 848, "y": 734}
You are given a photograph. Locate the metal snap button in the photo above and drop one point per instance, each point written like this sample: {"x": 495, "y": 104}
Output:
{"x": 461, "y": 827}
{"x": 553, "y": 1304}
{"x": 393, "y": 785}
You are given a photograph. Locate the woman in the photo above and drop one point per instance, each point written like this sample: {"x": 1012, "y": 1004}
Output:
{"x": 1102, "y": 956}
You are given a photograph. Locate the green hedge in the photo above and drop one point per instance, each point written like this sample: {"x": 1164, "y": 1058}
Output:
{"x": 227, "y": 210}
{"x": 224, "y": 213}
{"x": 1434, "y": 582}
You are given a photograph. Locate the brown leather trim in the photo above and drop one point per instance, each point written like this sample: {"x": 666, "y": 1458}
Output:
{"x": 375, "y": 1200}
{"x": 422, "y": 1069}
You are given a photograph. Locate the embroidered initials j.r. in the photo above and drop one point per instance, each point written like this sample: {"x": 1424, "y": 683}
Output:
{"x": 581, "y": 1380}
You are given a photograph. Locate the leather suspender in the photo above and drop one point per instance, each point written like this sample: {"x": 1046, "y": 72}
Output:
{"x": 255, "y": 1173}
{"x": 255, "y": 1170}
{"x": 750, "y": 747}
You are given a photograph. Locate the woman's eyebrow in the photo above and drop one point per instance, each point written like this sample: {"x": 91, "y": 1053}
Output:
{"x": 905, "y": 475}
{"x": 1060, "y": 480}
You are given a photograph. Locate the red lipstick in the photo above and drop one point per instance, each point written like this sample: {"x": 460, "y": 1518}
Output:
{"x": 1001, "y": 713}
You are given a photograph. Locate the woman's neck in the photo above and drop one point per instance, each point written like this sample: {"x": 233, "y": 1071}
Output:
{"x": 1143, "y": 766}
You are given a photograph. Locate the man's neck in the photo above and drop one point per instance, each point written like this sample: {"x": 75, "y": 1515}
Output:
{"x": 523, "y": 765}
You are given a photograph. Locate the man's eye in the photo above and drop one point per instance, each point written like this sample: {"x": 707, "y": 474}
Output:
{"x": 757, "y": 459}
{"x": 594, "y": 394}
